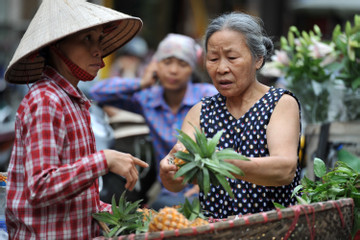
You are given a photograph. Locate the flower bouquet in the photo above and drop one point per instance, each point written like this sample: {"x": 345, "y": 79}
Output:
{"x": 323, "y": 74}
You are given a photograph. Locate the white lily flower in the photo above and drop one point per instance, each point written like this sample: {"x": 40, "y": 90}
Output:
{"x": 320, "y": 49}
{"x": 281, "y": 57}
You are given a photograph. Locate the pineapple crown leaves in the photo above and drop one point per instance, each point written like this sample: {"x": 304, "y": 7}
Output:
{"x": 204, "y": 164}
{"x": 125, "y": 210}
{"x": 191, "y": 210}
{"x": 124, "y": 219}
{"x": 203, "y": 146}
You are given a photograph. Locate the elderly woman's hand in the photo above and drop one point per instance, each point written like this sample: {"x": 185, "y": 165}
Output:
{"x": 168, "y": 171}
{"x": 124, "y": 164}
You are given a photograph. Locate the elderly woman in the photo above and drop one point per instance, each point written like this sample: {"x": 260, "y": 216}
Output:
{"x": 260, "y": 122}
{"x": 52, "y": 188}
{"x": 163, "y": 96}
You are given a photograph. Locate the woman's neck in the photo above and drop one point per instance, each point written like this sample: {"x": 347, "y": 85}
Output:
{"x": 65, "y": 72}
{"x": 174, "y": 98}
{"x": 239, "y": 105}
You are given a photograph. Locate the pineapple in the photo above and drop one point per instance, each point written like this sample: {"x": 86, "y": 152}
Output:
{"x": 124, "y": 219}
{"x": 192, "y": 211}
{"x": 204, "y": 164}
{"x": 198, "y": 222}
{"x": 168, "y": 218}
{"x": 178, "y": 217}
{"x": 179, "y": 162}
{"x": 148, "y": 214}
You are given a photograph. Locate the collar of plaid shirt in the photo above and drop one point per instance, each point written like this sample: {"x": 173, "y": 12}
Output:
{"x": 78, "y": 72}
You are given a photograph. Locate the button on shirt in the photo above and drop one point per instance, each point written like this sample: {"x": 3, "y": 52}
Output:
{"x": 52, "y": 186}
{"x": 126, "y": 94}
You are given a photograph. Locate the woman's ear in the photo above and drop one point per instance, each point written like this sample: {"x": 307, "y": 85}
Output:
{"x": 259, "y": 62}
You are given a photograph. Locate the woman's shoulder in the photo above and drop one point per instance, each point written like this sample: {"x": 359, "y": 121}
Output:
{"x": 275, "y": 94}
{"x": 45, "y": 93}
{"x": 286, "y": 100}
{"x": 150, "y": 97}
{"x": 152, "y": 92}
{"x": 287, "y": 96}
{"x": 213, "y": 99}
{"x": 42, "y": 94}
{"x": 281, "y": 91}
{"x": 45, "y": 88}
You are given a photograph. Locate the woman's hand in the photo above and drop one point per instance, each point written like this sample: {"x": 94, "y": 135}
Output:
{"x": 168, "y": 171}
{"x": 124, "y": 164}
{"x": 150, "y": 75}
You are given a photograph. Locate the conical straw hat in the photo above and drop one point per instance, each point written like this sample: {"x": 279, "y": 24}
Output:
{"x": 56, "y": 19}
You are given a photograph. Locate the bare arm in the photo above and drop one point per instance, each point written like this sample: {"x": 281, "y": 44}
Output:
{"x": 282, "y": 138}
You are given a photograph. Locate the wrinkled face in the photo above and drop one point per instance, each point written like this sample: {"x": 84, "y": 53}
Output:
{"x": 84, "y": 49}
{"x": 230, "y": 63}
{"x": 174, "y": 73}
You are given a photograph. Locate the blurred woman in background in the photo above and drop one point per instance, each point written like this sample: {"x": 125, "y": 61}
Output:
{"x": 163, "y": 96}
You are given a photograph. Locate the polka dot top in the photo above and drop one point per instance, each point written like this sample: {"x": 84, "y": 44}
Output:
{"x": 247, "y": 135}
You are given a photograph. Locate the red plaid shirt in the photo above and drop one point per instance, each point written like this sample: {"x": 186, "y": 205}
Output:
{"x": 52, "y": 185}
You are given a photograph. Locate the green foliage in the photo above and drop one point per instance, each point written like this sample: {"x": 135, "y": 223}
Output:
{"x": 206, "y": 165}
{"x": 348, "y": 47}
{"x": 341, "y": 182}
{"x": 349, "y": 158}
{"x": 124, "y": 219}
{"x": 319, "y": 168}
{"x": 191, "y": 210}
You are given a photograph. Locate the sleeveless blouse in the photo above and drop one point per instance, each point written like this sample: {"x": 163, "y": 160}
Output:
{"x": 247, "y": 136}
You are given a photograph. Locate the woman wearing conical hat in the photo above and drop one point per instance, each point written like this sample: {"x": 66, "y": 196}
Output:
{"x": 52, "y": 187}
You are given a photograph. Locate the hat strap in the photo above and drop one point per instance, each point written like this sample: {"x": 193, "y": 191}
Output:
{"x": 78, "y": 72}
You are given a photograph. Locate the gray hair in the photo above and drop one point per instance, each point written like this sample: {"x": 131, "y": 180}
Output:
{"x": 251, "y": 27}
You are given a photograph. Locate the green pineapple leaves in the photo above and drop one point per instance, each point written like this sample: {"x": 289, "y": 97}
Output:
{"x": 124, "y": 219}
{"x": 191, "y": 210}
{"x": 204, "y": 164}
{"x": 187, "y": 141}
{"x": 229, "y": 153}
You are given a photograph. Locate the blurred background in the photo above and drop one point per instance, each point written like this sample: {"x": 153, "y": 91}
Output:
{"x": 160, "y": 17}
{"x": 188, "y": 17}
